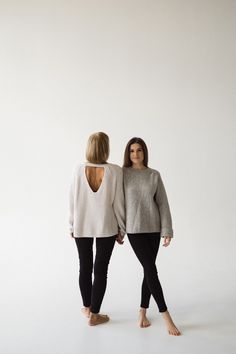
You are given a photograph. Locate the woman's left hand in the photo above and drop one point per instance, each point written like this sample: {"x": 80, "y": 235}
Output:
{"x": 119, "y": 239}
{"x": 167, "y": 240}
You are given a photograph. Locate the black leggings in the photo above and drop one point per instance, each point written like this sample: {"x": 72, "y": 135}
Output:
{"x": 93, "y": 292}
{"x": 146, "y": 247}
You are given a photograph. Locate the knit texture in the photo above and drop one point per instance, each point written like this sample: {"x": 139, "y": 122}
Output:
{"x": 146, "y": 203}
{"x": 101, "y": 213}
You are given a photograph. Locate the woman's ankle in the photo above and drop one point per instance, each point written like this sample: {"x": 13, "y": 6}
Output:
{"x": 92, "y": 314}
{"x": 143, "y": 309}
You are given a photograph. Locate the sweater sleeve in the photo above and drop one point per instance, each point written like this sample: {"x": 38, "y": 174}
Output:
{"x": 164, "y": 209}
{"x": 119, "y": 201}
{"x": 71, "y": 203}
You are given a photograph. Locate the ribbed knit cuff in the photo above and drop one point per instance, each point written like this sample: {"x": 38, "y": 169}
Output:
{"x": 166, "y": 232}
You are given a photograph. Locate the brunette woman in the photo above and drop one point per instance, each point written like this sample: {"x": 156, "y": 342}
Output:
{"x": 148, "y": 219}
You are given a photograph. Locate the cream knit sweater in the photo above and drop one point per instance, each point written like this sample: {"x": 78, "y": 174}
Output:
{"x": 101, "y": 213}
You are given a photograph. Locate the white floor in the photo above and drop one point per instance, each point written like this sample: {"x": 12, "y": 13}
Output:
{"x": 62, "y": 329}
{"x": 201, "y": 334}
{"x": 41, "y": 304}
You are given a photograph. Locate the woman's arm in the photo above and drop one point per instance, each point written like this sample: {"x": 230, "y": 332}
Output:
{"x": 164, "y": 209}
{"x": 71, "y": 205}
{"x": 119, "y": 201}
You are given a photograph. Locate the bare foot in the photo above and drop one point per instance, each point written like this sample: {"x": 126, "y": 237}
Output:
{"x": 143, "y": 320}
{"x": 96, "y": 319}
{"x": 86, "y": 311}
{"x": 171, "y": 327}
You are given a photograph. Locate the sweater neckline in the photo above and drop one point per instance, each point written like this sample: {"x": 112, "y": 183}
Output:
{"x": 139, "y": 170}
{"x": 95, "y": 164}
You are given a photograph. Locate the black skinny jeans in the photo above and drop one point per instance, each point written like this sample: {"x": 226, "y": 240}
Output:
{"x": 93, "y": 292}
{"x": 146, "y": 247}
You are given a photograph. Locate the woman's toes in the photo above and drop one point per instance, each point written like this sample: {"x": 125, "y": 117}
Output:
{"x": 144, "y": 322}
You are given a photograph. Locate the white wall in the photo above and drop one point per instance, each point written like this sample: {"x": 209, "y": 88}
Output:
{"x": 161, "y": 70}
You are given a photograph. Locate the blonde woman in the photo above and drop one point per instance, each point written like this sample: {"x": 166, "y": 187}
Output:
{"x": 96, "y": 213}
{"x": 148, "y": 219}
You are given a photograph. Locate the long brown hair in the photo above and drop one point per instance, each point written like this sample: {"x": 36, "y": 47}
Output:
{"x": 98, "y": 148}
{"x": 135, "y": 140}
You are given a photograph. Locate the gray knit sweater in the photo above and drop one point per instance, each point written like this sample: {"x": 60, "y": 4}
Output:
{"x": 147, "y": 207}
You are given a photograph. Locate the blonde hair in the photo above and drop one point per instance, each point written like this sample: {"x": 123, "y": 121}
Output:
{"x": 98, "y": 148}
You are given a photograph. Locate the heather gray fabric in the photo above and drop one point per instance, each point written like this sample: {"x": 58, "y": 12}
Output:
{"x": 147, "y": 207}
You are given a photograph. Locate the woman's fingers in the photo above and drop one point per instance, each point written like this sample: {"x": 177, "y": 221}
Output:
{"x": 119, "y": 239}
{"x": 167, "y": 241}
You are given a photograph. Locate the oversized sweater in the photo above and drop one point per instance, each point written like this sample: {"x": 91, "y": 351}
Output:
{"x": 100, "y": 213}
{"x": 146, "y": 203}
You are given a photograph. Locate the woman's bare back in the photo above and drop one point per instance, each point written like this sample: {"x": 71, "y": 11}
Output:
{"x": 94, "y": 177}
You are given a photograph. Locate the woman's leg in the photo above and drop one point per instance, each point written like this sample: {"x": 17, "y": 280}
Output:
{"x": 85, "y": 251}
{"x": 104, "y": 248}
{"x": 141, "y": 247}
{"x": 153, "y": 243}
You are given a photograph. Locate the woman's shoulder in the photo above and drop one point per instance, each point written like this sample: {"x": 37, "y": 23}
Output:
{"x": 114, "y": 167}
{"x": 78, "y": 167}
{"x": 154, "y": 171}
{"x": 114, "y": 171}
